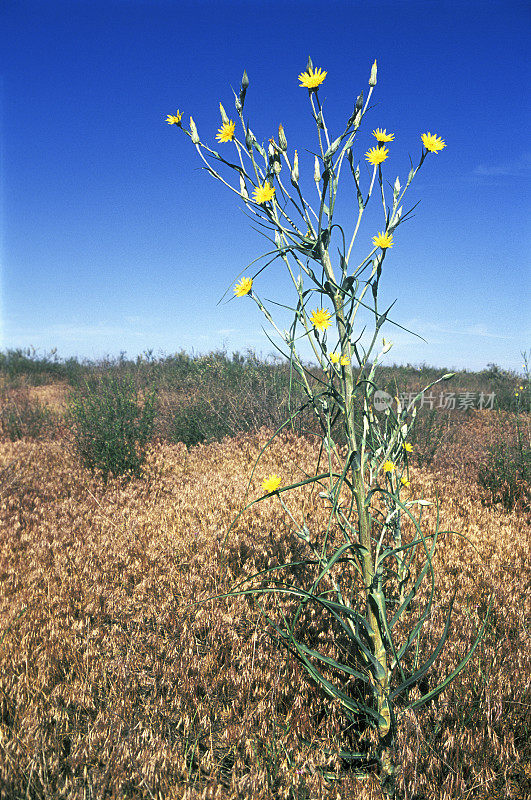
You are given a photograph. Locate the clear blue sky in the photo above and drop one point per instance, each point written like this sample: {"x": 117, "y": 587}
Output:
{"x": 114, "y": 240}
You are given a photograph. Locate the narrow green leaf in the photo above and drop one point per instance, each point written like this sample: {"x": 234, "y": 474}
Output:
{"x": 438, "y": 689}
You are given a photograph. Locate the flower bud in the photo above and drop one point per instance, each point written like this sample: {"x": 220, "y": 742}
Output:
{"x": 372, "y": 79}
{"x": 316, "y": 171}
{"x": 224, "y": 117}
{"x": 243, "y": 189}
{"x": 249, "y": 139}
{"x": 193, "y": 131}
{"x": 332, "y": 149}
{"x": 356, "y": 116}
{"x": 396, "y": 188}
{"x": 282, "y": 141}
{"x": 386, "y": 345}
{"x": 295, "y": 170}
{"x": 309, "y": 65}
{"x": 243, "y": 88}
{"x": 273, "y": 157}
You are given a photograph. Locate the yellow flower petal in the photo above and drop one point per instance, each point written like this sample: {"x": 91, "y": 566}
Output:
{"x": 376, "y": 155}
{"x": 262, "y": 194}
{"x": 383, "y": 136}
{"x": 271, "y": 483}
{"x": 320, "y": 319}
{"x": 311, "y": 79}
{"x": 226, "y": 132}
{"x": 243, "y": 287}
{"x": 432, "y": 142}
{"x": 383, "y": 240}
{"x": 174, "y": 119}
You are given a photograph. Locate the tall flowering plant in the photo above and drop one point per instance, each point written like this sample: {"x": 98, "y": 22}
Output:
{"x": 367, "y": 571}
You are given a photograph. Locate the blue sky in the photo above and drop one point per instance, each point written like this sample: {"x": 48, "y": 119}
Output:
{"x": 114, "y": 240}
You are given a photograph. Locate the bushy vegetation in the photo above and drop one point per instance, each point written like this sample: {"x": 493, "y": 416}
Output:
{"x": 111, "y": 425}
{"x": 202, "y": 398}
{"x": 20, "y": 417}
{"x": 506, "y": 475}
{"x": 181, "y": 370}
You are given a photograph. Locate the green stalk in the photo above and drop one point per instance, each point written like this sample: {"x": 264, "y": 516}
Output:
{"x": 381, "y": 681}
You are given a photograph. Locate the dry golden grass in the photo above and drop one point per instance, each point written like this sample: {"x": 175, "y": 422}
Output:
{"x": 114, "y": 684}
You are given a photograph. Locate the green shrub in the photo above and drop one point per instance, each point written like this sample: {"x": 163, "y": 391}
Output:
{"x": 195, "y": 423}
{"x": 22, "y": 417}
{"x": 427, "y": 435}
{"x": 506, "y": 475}
{"x": 111, "y": 426}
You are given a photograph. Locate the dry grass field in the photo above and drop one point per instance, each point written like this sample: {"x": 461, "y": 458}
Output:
{"x": 119, "y": 678}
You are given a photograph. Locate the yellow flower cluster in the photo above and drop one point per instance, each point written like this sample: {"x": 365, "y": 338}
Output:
{"x": 335, "y": 358}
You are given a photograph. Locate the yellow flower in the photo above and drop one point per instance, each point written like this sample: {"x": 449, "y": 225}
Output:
{"x": 174, "y": 119}
{"x": 383, "y": 240}
{"x": 408, "y": 447}
{"x": 312, "y": 78}
{"x": 243, "y": 287}
{"x": 388, "y": 466}
{"x": 263, "y": 193}
{"x": 320, "y": 319}
{"x": 376, "y": 155}
{"x": 226, "y": 132}
{"x": 334, "y": 358}
{"x": 344, "y": 360}
{"x": 271, "y": 483}
{"x": 432, "y": 142}
{"x": 383, "y": 136}
{"x": 405, "y": 482}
